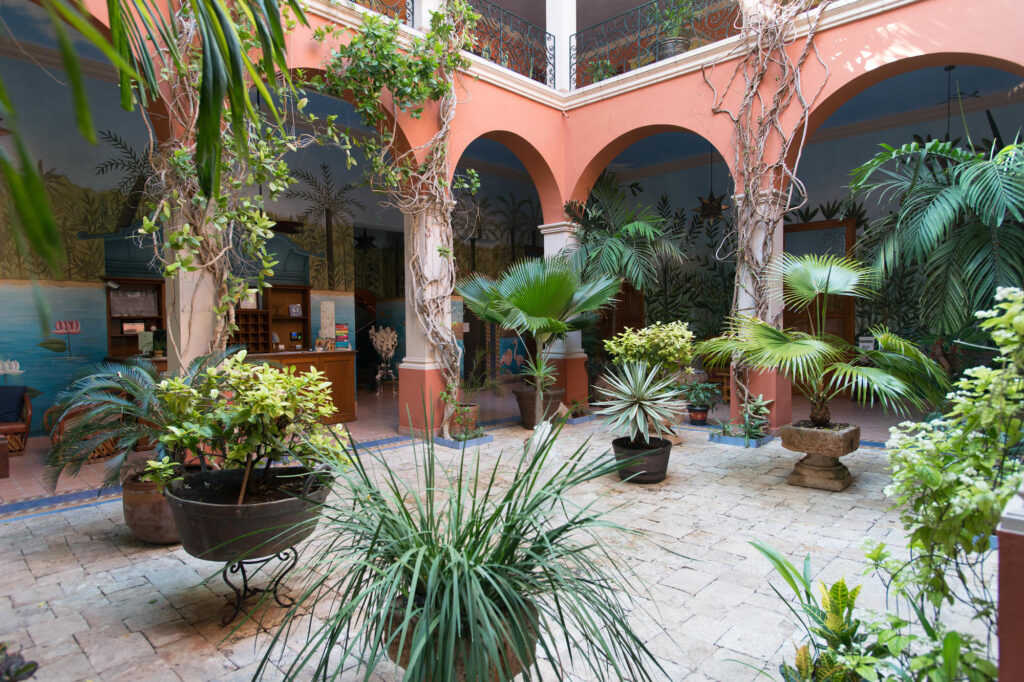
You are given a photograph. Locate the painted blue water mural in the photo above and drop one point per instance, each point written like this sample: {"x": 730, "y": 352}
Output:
{"x": 21, "y": 331}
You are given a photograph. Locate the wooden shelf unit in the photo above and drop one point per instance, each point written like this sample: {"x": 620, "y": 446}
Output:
{"x": 256, "y": 327}
{"x": 120, "y": 345}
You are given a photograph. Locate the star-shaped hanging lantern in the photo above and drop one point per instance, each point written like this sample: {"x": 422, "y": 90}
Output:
{"x": 711, "y": 207}
{"x": 364, "y": 242}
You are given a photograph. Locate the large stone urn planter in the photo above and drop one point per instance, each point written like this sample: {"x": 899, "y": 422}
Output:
{"x": 147, "y": 512}
{"x": 526, "y": 396}
{"x": 822, "y": 446}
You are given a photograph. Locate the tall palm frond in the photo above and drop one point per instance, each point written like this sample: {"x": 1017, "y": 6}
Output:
{"x": 959, "y": 214}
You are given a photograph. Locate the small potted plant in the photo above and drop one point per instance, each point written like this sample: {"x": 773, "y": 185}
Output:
{"x": 677, "y": 30}
{"x": 464, "y": 423}
{"x": 752, "y": 431}
{"x": 642, "y": 403}
{"x": 600, "y": 70}
{"x": 701, "y": 398}
{"x": 822, "y": 366}
{"x": 544, "y": 298}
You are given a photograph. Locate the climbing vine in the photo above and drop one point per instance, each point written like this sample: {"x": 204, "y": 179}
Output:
{"x": 382, "y": 76}
{"x": 768, "y": 103}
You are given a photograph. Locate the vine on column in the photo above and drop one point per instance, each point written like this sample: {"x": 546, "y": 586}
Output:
{"x": 374, "y": 68}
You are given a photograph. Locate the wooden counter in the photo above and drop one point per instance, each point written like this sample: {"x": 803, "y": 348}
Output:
{"x": 338, "y": 366}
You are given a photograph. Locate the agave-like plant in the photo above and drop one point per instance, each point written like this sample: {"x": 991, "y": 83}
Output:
{"x": 544, "y": 298}
{"x": 464, "y": 573}
{"x": 118, "y": 402}
{"x": 640, "y": 400}
{"x": 820, "y": 365}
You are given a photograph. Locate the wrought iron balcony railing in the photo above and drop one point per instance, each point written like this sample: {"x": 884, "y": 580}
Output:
{"x": 396, "y": 9}
{"x": 513, "y": 42}
{"x": 646, "y": 34}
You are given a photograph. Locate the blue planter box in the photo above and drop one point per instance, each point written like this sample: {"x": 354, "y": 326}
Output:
{"x": 573, "y": 421}
{"x": 738, "y": 440}
{"x": 459, "y": 444}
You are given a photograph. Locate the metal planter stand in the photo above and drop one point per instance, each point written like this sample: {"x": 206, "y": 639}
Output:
{"x": 288, "y": 557}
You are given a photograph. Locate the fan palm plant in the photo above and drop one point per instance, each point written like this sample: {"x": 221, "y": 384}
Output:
{"x": 325, "y": 201}
{"x": 959, "y": 216}
{"x": 617, "y": 239}
{"x": 820, "y": 365}
{"x": 543, "y": 298}
{"x": 462, "y": 573}
{"x": 119, "y": 403}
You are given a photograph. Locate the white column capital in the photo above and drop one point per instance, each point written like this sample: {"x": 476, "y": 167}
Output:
{"x": 421, "y": 13}
{"x": 1012, "y": 520}
{"x": 557, "y": 236}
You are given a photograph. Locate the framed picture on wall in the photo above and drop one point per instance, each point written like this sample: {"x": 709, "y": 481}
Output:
{"x": 295, "y": 310}
{"x": 132, "y": 328}
{"x": 134, "y": 301}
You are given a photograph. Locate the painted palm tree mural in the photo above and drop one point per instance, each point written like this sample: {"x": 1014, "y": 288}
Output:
{"x": 135, "y": 171}
{"x": 327, "y": 204}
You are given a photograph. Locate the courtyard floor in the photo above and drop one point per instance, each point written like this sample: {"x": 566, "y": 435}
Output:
{"x": 87, "y": 600}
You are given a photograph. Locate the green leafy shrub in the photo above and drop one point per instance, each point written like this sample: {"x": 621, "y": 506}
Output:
{"x": 667, "y": 344}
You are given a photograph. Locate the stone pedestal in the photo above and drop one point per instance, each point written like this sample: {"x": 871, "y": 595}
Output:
{"x": 820, "y": 468}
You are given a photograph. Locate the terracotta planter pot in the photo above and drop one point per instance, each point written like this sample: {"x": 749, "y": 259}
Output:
{"x": 401, "y": 658}
{"x": 822, "y": 446}
{"x": 526, "y": 396}
{"x": 653, "y": 468}
{"x": 147, "y": 512}
{"x": 698, "y": 415}
{"x": 467, "y": 422}
{"x": 228, "y": 532}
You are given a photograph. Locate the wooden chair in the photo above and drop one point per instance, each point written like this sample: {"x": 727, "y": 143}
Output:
{"x": 17, "y": 432}
{"x": 56, "y": 430}
{"x": 722, "y": 377}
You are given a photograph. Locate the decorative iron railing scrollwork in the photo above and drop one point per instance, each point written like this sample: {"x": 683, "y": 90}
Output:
{"x": 396, "y": 9}
{"x": 513, "y": 42}
{"x": 639, "y": 36}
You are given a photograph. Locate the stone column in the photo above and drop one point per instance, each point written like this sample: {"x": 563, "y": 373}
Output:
{"x": 561, "y": 23}
{"x": 769, "y": 384}
{"x": 567, "y": 356}
{"x": 1010, "y": 611}
{"x": 191, "y": 321}
{"x": 421, "y": 13}
{"x": 420, "y": 379}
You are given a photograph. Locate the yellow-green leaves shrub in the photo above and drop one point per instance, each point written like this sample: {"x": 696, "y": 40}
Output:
{"x": 667, "y": 344}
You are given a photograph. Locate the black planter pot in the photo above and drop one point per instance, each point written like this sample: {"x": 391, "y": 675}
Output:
{"x": 229, "y": 532}
{"x": 526, "y": 396}
{"x": 670, "y": 47}
{"x": 698, "y": 415}
{"x": 652, "y": 468}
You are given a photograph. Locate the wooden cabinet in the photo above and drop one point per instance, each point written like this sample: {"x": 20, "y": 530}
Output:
{"x": 284, "y": 311}
{"x": 338, "y": 367}
{"x": 133, "y": 305}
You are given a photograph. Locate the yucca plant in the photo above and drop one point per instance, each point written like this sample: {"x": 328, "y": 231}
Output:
{"x": 640, "y": 401}
{"x": 463, "y": 572}
{"x": 820, "y": 365}
{"x": 117, "y": 402}
{"x": 544, "y": 298}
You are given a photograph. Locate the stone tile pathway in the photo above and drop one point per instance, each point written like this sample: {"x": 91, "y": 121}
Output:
{"x": 87, "y": 601}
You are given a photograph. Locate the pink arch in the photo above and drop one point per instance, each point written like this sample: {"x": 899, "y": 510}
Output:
{"x": 590, "y": 172}
{"x": 536, "y": 167}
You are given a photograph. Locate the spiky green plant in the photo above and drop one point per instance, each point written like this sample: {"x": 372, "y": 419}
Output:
{"x": 640, "y": 400}
{"x": 820, "y": 365}
{"x": 464, "y": 570}
{"x": 543, "y": 298}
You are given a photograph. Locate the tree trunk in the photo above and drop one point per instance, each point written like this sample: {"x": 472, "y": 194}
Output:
{"x": 820, "y": 414}
{"x": 538, "y": 410}
{"x": 329, "y": 229}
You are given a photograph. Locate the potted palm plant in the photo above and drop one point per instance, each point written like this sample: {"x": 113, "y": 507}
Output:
{"x": 461, "y": 573}
{"x": 641, "y": 402}
{"x": 122, "y": 403}
{"x": 822, "y": 366}
{"x": 544, "y": 298}
{"x": 701, "y": 398}
{"x": 676, "y": 21}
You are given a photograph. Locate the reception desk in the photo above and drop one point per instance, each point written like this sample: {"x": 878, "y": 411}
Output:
{"x": 338, "y": 367}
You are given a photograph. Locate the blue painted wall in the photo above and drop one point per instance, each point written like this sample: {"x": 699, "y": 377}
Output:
{"x": 21, "y": 331}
